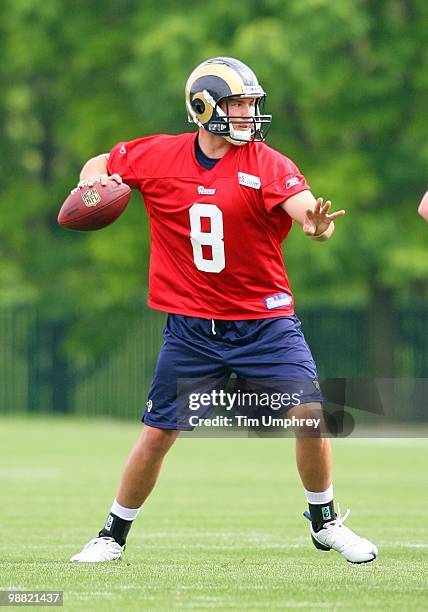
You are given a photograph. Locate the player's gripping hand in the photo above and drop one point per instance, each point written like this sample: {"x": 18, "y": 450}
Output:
{"x": 102, "y": 178}
{"x": 318, "y": 224}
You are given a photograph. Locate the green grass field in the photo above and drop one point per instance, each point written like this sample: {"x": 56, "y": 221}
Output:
{"x": 223, "y": 530}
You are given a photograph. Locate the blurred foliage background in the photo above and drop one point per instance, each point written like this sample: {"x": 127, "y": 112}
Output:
{"x": 347, "y": 85}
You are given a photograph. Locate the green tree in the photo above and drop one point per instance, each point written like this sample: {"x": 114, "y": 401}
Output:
{"x": 347, "y": 85}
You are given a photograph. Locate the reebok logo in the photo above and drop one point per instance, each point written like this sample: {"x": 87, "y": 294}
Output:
{"x": 249, "y": 180}
{"x": 292, "y": 182}
{"x": 122, "y": 150}
{"x": 149, "y": 405}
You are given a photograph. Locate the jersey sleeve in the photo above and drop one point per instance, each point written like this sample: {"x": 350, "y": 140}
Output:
{"x": 120, "y": 162}
{"x": 282, "y": 179}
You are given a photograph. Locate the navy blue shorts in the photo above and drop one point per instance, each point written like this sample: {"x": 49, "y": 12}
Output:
{"x": 199, "y": 355}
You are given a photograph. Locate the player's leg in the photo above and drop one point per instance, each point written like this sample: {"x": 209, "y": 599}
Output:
{"x": 313, "y": 449}
{"x": 143, "y": 466}
{"x": 315, "y": 466}
{"x": 185, "y": 354}
{"x": 314, "y": 462}
{"x": 278, "y": 352}
{"x": 139, "y": 477}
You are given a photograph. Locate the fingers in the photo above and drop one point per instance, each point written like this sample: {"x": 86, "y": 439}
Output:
{"x": 336, "y": 214}
{"x": 326, "y": 207}
{"x": 82, "y": 185}
{"x": 113, "y": 177}
{"x": 320, "y": 208}
{"x": 317, "y": 220}
{"x": 323, "y": 210}
{"x": 116, "y": 177}
{"x": 89, "y": 182}
{"x": 103, "y": 179}
{"x": 318, "y": 205}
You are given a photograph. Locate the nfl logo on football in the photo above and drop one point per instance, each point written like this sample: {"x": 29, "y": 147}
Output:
{"x": 91, "y": 197}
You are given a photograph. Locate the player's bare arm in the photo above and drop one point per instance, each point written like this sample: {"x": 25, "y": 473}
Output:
{"x": 95, "y": 169}
{"x": 423, "y": 207}
{"x": 312, "y": 214}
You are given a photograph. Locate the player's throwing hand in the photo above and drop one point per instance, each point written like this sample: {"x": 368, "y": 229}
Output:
{"x": 103, "y": 179}
{"x": 317, "y": 221}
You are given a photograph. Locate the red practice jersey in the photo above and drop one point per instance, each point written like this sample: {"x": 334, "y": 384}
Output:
{"x": 215, "y": 234}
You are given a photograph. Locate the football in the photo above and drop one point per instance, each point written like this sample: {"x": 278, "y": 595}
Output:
{"x": 92, "y": 208}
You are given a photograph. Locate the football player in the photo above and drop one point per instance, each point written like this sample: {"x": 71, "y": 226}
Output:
{"x": 220, "y": 203}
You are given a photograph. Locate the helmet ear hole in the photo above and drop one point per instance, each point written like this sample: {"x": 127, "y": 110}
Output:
{"x": 198, "y": 106}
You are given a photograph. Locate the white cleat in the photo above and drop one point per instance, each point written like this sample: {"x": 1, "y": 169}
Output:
{"x": 335, "y": 536}
{"x": 98, "y": 550}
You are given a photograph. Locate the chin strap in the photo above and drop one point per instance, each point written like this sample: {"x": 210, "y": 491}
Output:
{"x": 238, "y": 143}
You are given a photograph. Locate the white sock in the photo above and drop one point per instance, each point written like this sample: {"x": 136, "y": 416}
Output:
{"x": 127, "y": 514}
{"x": 322, "y": 497}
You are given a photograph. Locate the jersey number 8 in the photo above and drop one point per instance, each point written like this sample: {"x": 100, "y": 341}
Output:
{"x": 213, "y": 238}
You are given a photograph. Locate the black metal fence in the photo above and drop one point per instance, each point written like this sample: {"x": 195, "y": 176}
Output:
{"x": 38, "y": 374}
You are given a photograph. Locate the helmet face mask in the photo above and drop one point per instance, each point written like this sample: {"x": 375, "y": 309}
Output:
{"x": 208, "y": 91}
{"x": 225, "y": 124}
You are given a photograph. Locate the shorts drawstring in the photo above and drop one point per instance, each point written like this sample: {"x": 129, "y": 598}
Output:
{"x": 213, "y": 331}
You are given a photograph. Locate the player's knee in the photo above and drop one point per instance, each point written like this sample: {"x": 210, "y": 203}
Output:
{"x": 157, "y": 442}
{"x": 308, "y": 420}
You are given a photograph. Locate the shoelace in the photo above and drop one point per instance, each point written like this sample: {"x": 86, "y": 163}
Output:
{"x": 341, "y": 535}
{"x": 339, "y": 518}
{"x": 96, "y": 541}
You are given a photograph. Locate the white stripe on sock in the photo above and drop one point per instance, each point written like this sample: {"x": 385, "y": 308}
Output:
{"x": 322, "y": 497}
{"x": 127, "y": 514}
